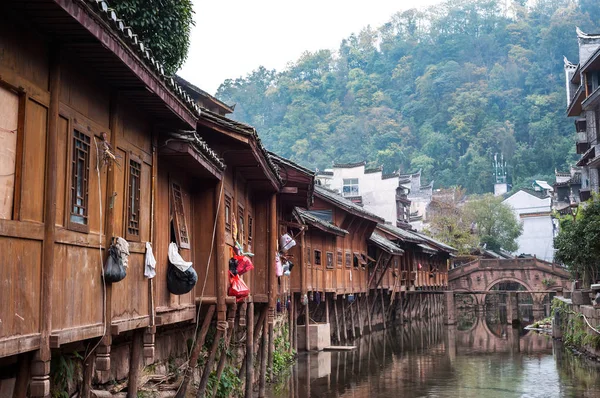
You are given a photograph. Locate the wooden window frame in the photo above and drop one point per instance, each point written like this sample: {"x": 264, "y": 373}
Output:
{"x": 178, "y": 212}
{"x": 227, "y": 210}
{"x": 348, "y": 259}
{"x": 17, "y": 184}
{"x": 319, "y": 257}
{"x": 340, "y": 258}
{"x": 249, "y": 230}
{"x": 329, "y": 260}
{"x": 241, "y": 223}
{"x": 130, "y": 230}
{"x": 74, "y": 225}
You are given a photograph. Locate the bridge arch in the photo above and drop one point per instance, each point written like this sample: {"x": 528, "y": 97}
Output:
{"x": 509, "y": 279}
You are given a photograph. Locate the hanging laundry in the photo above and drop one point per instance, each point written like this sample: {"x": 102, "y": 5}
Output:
{"x": 181, "y": 276}
{"x": 278, "y": 266}
{"x": 123, "y": 247}
{"x": 150, "y": 262}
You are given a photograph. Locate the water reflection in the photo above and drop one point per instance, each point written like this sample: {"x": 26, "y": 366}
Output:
{"x": 480, "y": 357}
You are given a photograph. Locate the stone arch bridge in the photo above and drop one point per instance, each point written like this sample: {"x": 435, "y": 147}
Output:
{"x": 536, "y": 276}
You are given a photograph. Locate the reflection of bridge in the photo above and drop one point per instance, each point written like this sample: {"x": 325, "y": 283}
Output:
{"x": 534, "y": 276}
{"x": 486, "y": 336}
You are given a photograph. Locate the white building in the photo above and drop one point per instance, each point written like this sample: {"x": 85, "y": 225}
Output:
{"x": 533, "y": 208}
{"x": 394, "y": 197}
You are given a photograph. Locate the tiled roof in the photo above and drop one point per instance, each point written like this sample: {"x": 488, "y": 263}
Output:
{"x": 324, "y": 173}
{"x": 436, "y": 242}
{"x": 390, "y": 175}
{"x": 349, "y": 165}
{"x": 427, "y": 249}
{"x": 281, "y": 159}
{"x": 199, "y": 145}
{"x": 311, "y": 219}
{"x": 374, "y": 170}
{"x": 385, "y": 244}
{"x": 537, "y": 194}
{"x": 345, "y": 203}
{"x": 143, "y": 50}
{"x": 400, "y": 233}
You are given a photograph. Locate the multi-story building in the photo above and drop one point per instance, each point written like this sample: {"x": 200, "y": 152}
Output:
{"x": 583, "y": 104}
{"x": 390, "y": 196}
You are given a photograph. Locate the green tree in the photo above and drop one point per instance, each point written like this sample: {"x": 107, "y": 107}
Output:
{"x": 578, "y": 242}
{"x": 496, "y": 225}
{"x": 163, "y": 25}
{"x": 442, "y": 89}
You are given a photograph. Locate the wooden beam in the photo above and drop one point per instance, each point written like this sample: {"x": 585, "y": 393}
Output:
{"x": 289, "y": 190}
{"x": 221, "y": 266}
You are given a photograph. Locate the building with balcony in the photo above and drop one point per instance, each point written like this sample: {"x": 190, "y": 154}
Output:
{"x": 583, "y": 104}
{"x": 386, "y": 195}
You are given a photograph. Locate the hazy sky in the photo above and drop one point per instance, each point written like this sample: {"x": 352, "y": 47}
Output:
{"x": 233, "y": 37}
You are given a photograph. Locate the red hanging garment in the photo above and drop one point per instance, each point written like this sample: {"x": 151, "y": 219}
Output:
{"x": 244, "y": 264}
{"x": 238, "y": 288}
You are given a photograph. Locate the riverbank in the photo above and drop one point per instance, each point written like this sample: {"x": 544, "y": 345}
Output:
{"x": 577, "y": 326}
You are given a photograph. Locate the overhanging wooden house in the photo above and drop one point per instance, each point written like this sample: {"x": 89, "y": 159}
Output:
{"x": 424, "y": 264}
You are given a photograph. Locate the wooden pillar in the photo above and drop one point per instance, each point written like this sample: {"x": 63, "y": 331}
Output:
{"x": 220, "y": 250}
{"x": 344, "y": 319}
{"x": 361, "y": 325}
{"x": 304, "y": 291}
{"x": 223, "y": 358}
{"x": 249, "y": 350}
{"x": 209, "y": 361}
{"x": 22, "y": 381}
{"x": 40, "y": 371}
{"x": 103, "y": 350}
{"x": 263, "y": 358}
{"x": 135, "y": 362}
{"x": 368, "y": 314}
{"x": 196, "y": 349}
{"x": 326, "y": 309}
{"x": 337, "y": 318}
{"x": 292, "y": 322}
{"x": 383, "y": 309}
{"x": 273, "y": 235}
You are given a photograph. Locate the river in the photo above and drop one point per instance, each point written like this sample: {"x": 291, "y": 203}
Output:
{"x": 479, "y": 357}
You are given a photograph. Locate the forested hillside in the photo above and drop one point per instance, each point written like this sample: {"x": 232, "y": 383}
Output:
{"x": 440, "y": 89}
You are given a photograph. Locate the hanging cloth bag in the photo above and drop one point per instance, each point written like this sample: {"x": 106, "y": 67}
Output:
{"x": 181, "y": 276}
{"x": 286, "y": 242}
{"x": 114, "y": 271}
{"x": 150, "y": 262}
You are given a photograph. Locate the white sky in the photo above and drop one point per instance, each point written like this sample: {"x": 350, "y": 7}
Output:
{"x": 233, "y": 37}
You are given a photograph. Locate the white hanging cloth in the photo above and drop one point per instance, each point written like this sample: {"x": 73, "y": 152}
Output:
{"x": 176, "y": 259}
{"x": 150, "y": 261}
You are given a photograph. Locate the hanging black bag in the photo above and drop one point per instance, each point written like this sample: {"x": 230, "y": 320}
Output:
{"x": 181, "y": 282}
{"x": 114, "y": 271}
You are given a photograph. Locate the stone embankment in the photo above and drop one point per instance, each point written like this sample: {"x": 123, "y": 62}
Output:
{"x": 577, "y": 323}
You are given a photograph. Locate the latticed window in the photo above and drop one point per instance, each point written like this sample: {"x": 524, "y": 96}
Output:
{"x": 317, "y": 257}
{"x": 249, "y": 230}
{"x": 340, "y": 258}
{"x": 133, "y": 202}
{"x": 329, "y": 260}
{"x": 348, "y": 259}
{"x": 80, "y": 174}
{"x": 181, "y": 231}
{"x": 228, "y": 213}
{"x": 241, "y": 224}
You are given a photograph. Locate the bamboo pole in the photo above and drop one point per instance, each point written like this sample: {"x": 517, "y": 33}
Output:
{"x": 196, "y": 349}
